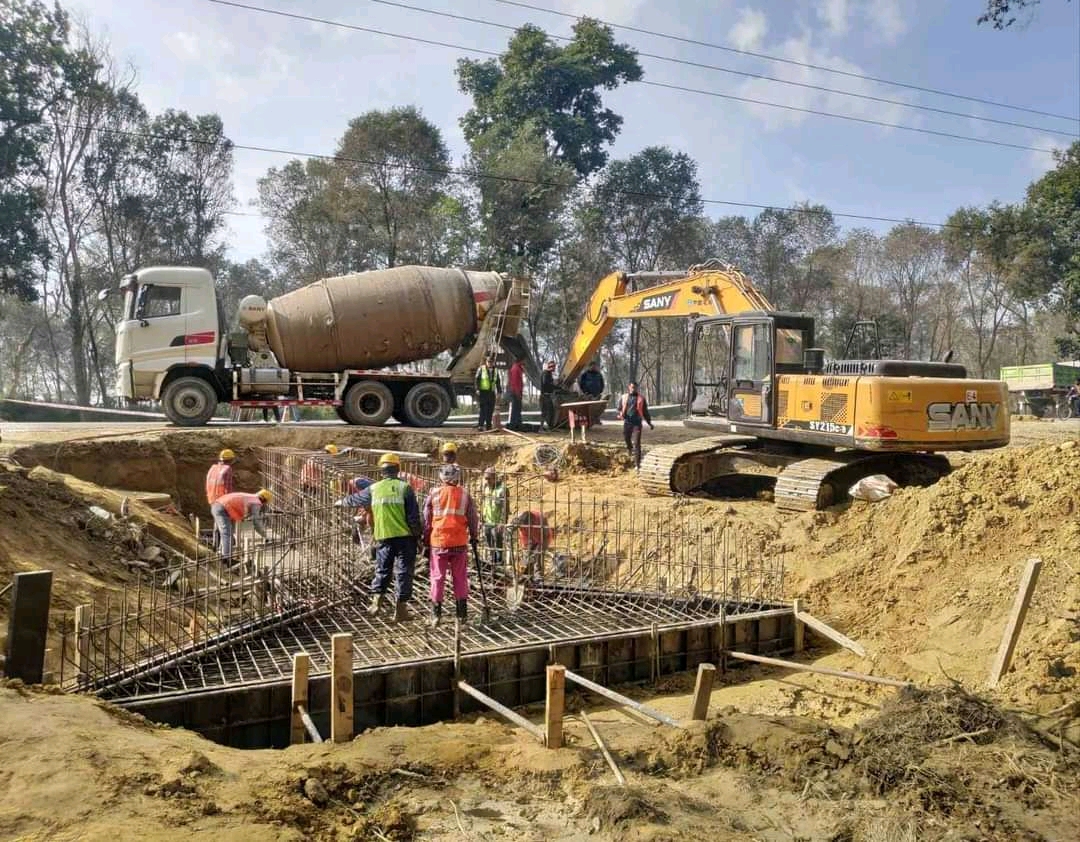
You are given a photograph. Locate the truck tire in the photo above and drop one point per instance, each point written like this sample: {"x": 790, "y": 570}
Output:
{"x": 189, "y": 402}
{"x": 427, "y": 405}
{"x": 340, "y": 410}
{"x": 367, "y": 403}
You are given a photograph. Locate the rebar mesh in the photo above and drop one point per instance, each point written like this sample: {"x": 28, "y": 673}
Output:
{"x": 581, "y": 567}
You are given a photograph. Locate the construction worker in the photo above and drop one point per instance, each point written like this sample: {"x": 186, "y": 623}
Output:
{"x": 236, "y": 507}
{"x": 311, "y": 473}
{"x": 632, "y": 412}
{"x": 534, "y": 539}
{"x": 591, "y": 382}
{"x": 395, "y": 517}
{"x": 493, "y": 508}
{"x": 219, "y": 482}
{"x": 450, "y": 528}
{"x": 1073, "y": 397}
{"x": 547, "y": 396}
{"x": 449, "y": 453}
{"x": 488, "y": 384}
{"x": 353, "y": 499}
{"x": 516, "y": 388}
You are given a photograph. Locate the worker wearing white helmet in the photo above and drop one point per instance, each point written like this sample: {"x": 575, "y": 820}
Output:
{"x": 395, "y": 519}
{"x": 450, "y": 526}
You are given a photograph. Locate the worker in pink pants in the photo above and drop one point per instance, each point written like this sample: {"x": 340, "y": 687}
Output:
{"x": 450, "y": 527}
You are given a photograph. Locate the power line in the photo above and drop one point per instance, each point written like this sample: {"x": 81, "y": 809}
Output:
{"x": 482, "y": 176}
{"x": 743, "y": 73}
{"x": 663, "y": 85}
{"x": 794, "y": 62}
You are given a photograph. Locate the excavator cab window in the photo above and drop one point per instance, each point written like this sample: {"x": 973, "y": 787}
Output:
{"x": 712, "y": 355}
{"x": 751, "y": 387}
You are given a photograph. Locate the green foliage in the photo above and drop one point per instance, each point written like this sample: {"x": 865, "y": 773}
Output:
{"x": 554, "y": 88}
{"x": 1001, "y": 14}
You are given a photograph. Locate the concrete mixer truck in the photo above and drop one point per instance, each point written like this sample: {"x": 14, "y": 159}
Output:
{"x": 338, "y": 342}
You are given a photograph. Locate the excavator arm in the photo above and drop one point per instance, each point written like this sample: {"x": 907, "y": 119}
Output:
{"x": 705, "y": 290}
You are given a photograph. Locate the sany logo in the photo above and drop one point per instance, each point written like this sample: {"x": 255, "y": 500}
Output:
{"x": 657, "y": 302}
{"x": 962, "y": 416}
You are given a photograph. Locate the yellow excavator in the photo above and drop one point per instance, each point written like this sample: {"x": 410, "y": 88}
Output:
{"x": 776, "y": 409}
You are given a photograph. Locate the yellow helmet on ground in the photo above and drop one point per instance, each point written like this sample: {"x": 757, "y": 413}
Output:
{"x": 266, "y": 495}
{"x": 226, "y": 455}
{"x": 331, "y": 449}
{"x": 449, "y": 447}
{"x": 390, "y": 459}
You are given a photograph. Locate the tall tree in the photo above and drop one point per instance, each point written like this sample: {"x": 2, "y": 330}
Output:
{"x": 1001, "y": 14}
{"x": 912, "y": 266}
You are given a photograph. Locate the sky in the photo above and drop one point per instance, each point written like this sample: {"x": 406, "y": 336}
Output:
{"x": 294, "y": 85}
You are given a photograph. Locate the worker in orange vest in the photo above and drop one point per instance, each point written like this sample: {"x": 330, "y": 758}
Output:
{"x": 235, "y": 508}
{"x": 534, "y": 538}
{"x": 219, "y": 482}
{"x": 311, "y": 473}
{"x": 450, "y": 527}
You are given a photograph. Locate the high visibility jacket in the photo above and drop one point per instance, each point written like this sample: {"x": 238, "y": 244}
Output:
{"x": 388, "y": 509}
{"x": 311, "y": 473}
{"x": 534, "y": 532}
{"x": 219, "y": 482}
{"x": 449, "y": 524}
{"x": 487, "y": 379}
{"x": 240, "y": 505}
{"x": 494, "y": 505}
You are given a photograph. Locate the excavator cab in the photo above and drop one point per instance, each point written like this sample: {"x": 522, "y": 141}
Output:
{"x": 735, "y": 361}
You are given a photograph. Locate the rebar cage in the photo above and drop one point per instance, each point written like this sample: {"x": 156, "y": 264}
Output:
{"x": 562, "y": 566}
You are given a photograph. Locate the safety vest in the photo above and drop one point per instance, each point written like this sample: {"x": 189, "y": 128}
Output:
{"x": 239, "y": 505}
{"x": 449, "y": 526}
{"x": 219, "y": 482}
{"x": 494, "y": 506}
{"x": 534, "y": 532}
{"x": 388, "y": 509}
{"x": 483, "y": 378}
{"x": 311, "y": 473}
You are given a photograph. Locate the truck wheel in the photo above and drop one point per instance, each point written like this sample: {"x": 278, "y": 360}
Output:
{"x": 427, "y": 405}
{"x": 340, "y": 410}
{"x": 368, "y": 403}
{"x": 1064, "y": 411}
{"x": 189, "y": 402}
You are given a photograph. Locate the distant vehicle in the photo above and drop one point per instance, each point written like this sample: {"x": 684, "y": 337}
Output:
{"x": 1040, "y": 390}
{"x": 329, "y": 343}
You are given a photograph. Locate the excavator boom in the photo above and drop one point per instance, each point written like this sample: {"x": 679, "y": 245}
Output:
{"x": 705, "y": 290}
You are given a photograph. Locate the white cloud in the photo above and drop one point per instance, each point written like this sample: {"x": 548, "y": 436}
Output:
{"x": 749, "y": 30}
{"x": 1042, "y": 162}
{"x": 885, "y": 18}
{"x": 834, "y": 14}
{"x": 613, "y": 11}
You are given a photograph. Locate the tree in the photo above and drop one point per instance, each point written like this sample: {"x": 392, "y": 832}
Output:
{"x": 555, "y": 89}
{"x": 40, "y": 70}
{"x": 1001, "y": 14}
{"x": 912, "y": 265}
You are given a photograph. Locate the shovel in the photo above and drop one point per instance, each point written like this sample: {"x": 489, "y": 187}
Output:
{"x": 485, "y": 613}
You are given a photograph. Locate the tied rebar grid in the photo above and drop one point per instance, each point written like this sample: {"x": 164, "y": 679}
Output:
{"x": 581, "y": 568}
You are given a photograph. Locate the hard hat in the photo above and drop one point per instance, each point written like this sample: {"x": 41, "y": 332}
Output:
{"x": 331, "y": 449}
{"x": 490, "y": 472}
{"x": 226, "y": 455}
{"x": 449, "y": 447}
{"x": 266, "y": 495}
{"x": 357, "y": 484}
{"x": 450, "y": 473}
{"x": 390, "y": 459}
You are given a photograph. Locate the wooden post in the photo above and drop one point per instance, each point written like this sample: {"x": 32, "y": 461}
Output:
{"x": 800, "y": 629}
{"x": 553, "y": 709}
{"x": 301, "y": 663}
{"x": 341, "y": 713}
{"x": 82, "y": 644}
{"x": 1016, "y": 621}
{"x": 28, "y": 626}
{"x": 702, "y": 691}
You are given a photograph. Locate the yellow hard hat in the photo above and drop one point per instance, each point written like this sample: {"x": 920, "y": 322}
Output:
{"x": 390, "y": 459}
{"x": 226, "y": 455}
{"x": 266, "y": 495}
{"x": 449, "y": 447}
{"x": 331, "y": 449}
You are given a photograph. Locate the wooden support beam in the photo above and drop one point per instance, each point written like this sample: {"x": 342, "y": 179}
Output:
{"x": 309, "y": 724}
{"x": 829, "y": 632}
{"x": 553, "y": 708}
{"x": 301, "y": 664}
{"x": 622, "y": 700}
{"x": 800, "y": 629}
{"x": 794, "y": 665}
{"x": 501, "y": 709}
{"x": 341, "y": 710}
{"x": 1016, "y": 621}
{"x": 702, "y": 691}
{"x": 82, "y": 643}
{"x": 603, "y": 748}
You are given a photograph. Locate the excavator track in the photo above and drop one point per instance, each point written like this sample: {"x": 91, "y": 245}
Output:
{"x": 821, "y": 482}
{"x": 670, "y": 468}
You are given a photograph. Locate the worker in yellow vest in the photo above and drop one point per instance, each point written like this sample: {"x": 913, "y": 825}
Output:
{"x": 488, "y": 385}
{"x": 450, "y": 527}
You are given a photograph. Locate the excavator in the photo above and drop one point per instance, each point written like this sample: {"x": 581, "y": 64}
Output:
{"x": 769, "y": 405}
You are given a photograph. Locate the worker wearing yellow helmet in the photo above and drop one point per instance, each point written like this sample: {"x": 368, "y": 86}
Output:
{"x": 395, "y": 526}
{"x": 449, "y": 453}
{"x": 219, "y": 482}
{"x": 235, "y": 508}
{"x": 311, "y": 474}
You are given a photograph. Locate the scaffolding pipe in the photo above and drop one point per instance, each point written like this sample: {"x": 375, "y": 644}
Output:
{"x": 502, "y": 710}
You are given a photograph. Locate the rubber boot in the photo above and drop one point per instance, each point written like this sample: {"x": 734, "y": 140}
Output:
{"x": 436, "y": 615}
{"x": 376, "y": 604}
{"x": 401, "y": 612}
{"x": 461, "y": 607}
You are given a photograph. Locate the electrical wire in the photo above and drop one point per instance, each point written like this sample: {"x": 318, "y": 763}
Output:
{"x": 782, "y": 60}
{"x": 662, "y": 85}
